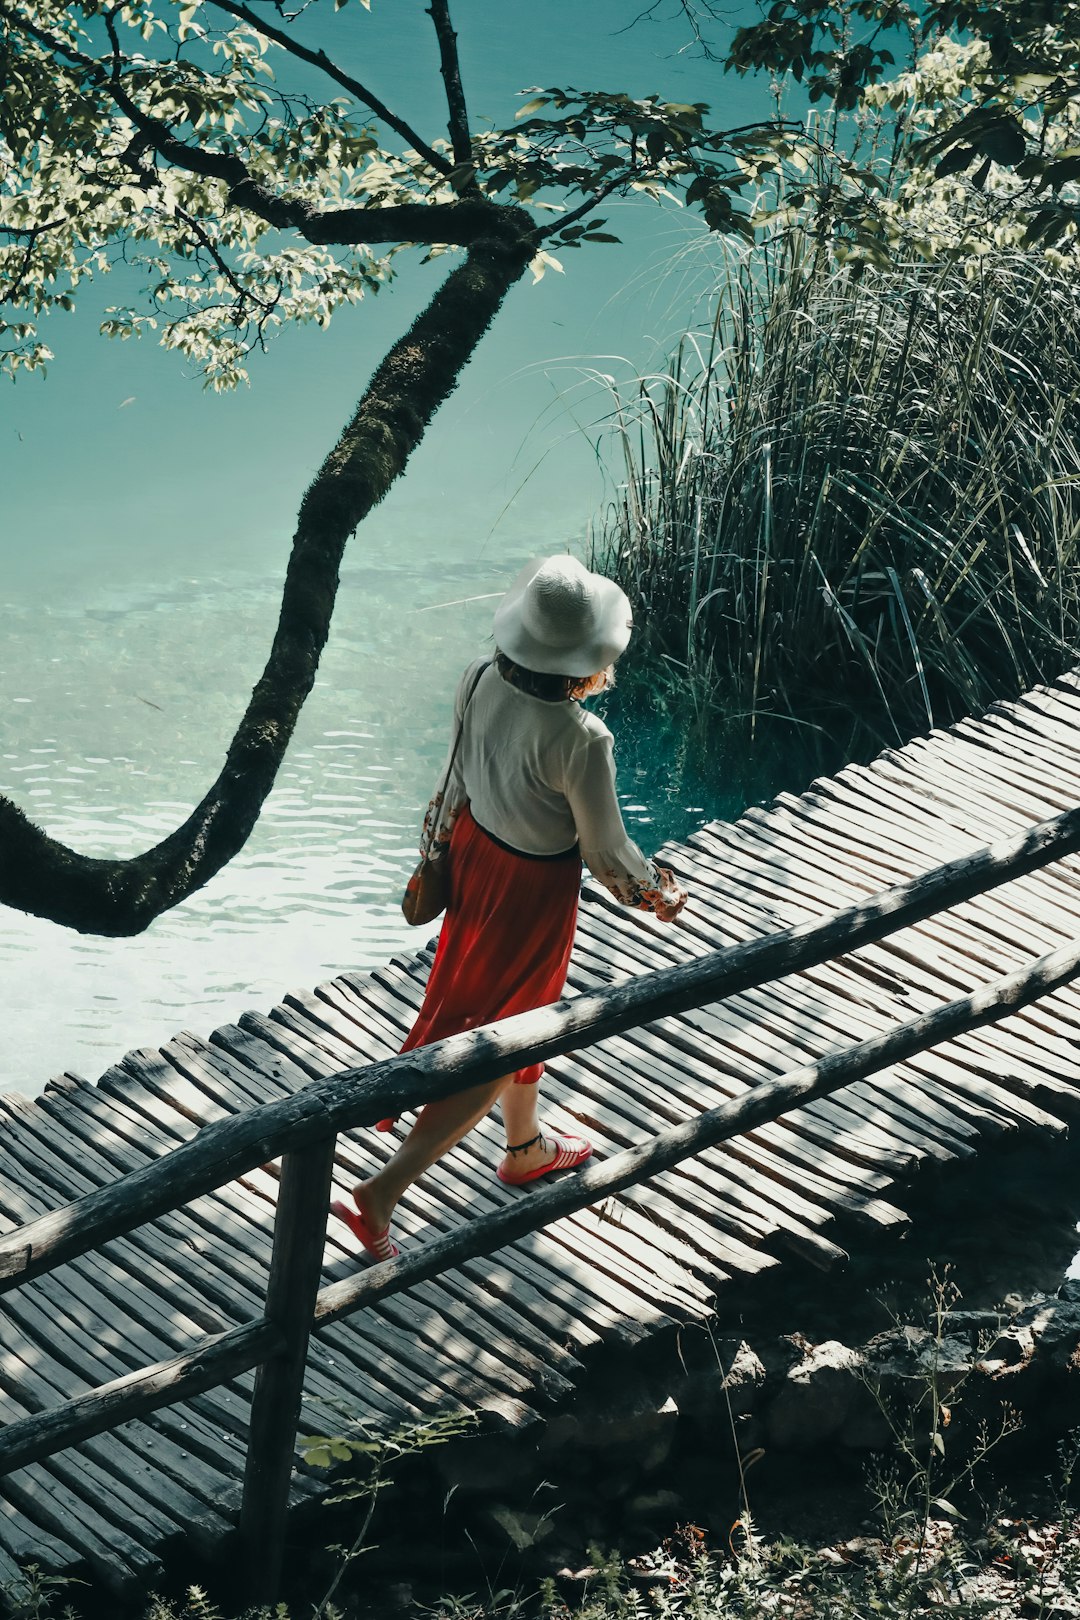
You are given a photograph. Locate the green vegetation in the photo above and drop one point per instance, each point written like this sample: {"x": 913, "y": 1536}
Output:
{"x": 1009, "y": 1567}
{"x": 857, "y": 509}
{"x": 258, "y": 182}
{"x": 989, "y": 88}
{"x": 850, "y": 510}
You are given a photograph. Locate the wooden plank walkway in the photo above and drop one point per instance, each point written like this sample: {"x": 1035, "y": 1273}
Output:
{"x": 511, "y": 1335}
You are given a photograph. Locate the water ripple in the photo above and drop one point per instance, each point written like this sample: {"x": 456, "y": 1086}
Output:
{"x": 109, "y": 747}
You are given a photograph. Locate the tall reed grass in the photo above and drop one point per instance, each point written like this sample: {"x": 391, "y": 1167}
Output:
{"x": 852, "y": 510}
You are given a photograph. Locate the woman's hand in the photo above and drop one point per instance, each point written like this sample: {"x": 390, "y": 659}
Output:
{"x": 671, "y": 897}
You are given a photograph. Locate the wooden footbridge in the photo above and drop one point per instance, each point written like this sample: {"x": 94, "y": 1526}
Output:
{"x": 777, "y": 1065}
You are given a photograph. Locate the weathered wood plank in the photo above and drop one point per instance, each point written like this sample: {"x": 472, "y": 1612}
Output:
{"x": 920, "y": 1123}
{"x": 300, "y": 1049}
{"x": 804, "y": 1137}
{"x": 732, "y": 1020}
{"x": 45, "y": 1502}
{"x": 619, "y": 1315}
{"x": 667, "y": 1042}
{"x": 402, "y": 1370}
{"x": 919, "y": 981}
{"x": 595, "y": 1270}
{"x": 637, "y": 1265}
{"x": 550, "y": 1301}
{"x": 109, "y": 1286}
{"x": 661, "y": 1210}
{"x": 84, "y": 1496}
{"x": 28, "y": 1542}
{"x": 943, "y": 931}
{"x": 219, "y": 1245}
{"x": 141, "y": 1392}
{"x": 723, "y": 1213}
{"x": 789, "y": 1197}
{"x": 664, "y": 1151}
{"x": 528, "y": 1358}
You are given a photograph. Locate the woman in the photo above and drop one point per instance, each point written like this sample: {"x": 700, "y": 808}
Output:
{"x": 529, "y": 795}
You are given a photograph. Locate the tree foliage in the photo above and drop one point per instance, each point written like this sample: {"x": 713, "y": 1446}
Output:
{"x": 196, "y": 139}
{"x": 986, "y": 91}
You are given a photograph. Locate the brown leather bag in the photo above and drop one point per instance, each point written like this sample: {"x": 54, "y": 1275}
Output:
{"x": 427, "y": 893}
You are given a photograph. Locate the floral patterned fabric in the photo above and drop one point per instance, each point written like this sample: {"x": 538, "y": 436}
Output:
{"x": 438, "y": 828}
{"x": 663, "y": 895}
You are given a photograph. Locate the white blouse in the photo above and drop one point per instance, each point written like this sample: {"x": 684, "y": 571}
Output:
{"x": 540, "y": 776}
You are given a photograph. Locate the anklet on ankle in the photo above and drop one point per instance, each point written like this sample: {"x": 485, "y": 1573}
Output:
{"x": 523, "y": 1145}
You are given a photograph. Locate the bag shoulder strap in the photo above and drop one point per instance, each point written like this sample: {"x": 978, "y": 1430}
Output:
{"x": 461, "y": 722}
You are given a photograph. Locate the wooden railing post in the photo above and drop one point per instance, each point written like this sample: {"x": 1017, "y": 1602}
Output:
{"x": 291, "y": 1291}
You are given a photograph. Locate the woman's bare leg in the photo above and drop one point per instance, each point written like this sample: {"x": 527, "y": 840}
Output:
{"x": 521, "y": 1121}
{"x": 438, "y": 1128}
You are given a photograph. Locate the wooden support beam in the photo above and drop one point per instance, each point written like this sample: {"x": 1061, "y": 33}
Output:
{"x": 361, "y": 1096}
{"x": 293, "y": 1286}
{"x": 213, "y": 1361}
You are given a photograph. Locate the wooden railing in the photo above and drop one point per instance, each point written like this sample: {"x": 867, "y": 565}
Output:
{"x": 303, "y": 1128}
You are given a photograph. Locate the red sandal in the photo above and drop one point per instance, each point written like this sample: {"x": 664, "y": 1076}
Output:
{"x": 569, "y": 1151}
{"x": 380, "y": 1245}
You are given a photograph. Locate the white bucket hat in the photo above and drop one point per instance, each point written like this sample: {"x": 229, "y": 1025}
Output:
{"x": 558, "y": 619}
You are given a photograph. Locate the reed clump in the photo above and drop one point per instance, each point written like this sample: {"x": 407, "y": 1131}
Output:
{"x": 852, "y": 511}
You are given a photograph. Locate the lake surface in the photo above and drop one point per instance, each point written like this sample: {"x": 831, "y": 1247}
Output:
{"x": 116, "y": 736}
{"x": 143, "y": 533}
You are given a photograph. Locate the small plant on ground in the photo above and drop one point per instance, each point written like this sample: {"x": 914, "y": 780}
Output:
{"x": 35, "y": 1596}
{"x": 378, "y": 1455}
{"x": 1043, "y": 1556}
{"x": 919, "y": 1484}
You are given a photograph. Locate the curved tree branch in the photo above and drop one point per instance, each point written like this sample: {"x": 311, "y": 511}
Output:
{"x": 320, "y": 59}
{"x": 591, "y": 202}
{"x": 40, "y": 875}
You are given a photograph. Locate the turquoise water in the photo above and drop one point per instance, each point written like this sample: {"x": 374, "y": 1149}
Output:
{"x": 144, "y": 531}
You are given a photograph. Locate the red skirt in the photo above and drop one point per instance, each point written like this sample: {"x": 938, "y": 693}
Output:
{"x": 505, "y": 941}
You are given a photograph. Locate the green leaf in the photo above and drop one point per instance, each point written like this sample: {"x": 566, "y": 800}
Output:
{"x": 541, "y": 262}
{"x": 686, "y": 112}
{"x": 600, "y": 236}
{"x": 531, "y": 106}
{"x": 1061, "y": 171}
{"x": 1030, "y": 84}
{"x": 947, "y": 1507}
{"x": 1003, "y": 140}
{"x": 955, "y": 161}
